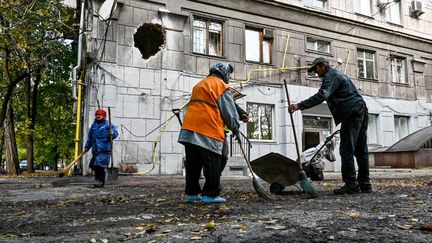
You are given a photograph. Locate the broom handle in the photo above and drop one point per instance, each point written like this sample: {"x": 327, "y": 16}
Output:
{"x": 293, "y": 127}
{"x": 110, "y": 137}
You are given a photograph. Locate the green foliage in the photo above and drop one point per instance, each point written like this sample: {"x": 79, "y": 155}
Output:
{"x": 31, "y": 38}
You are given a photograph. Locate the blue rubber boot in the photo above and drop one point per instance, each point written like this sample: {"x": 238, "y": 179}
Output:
{"x": 193, "y": 198}
{"x": 208, "y": 200}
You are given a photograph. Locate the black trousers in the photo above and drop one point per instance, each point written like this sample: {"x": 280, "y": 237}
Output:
{"x": 99, "y": 173}
{"x": 353, "y": 134}
{"x": 198, "y": 158}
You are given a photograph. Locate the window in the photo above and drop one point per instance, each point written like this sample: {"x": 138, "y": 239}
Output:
{"x": 258, "y": 45}
{"x": 315, "y": 3}
{"x": 207, "y": 37}
{"x": 372, "y": 131}
{"x": 317, "y": 45}
{"x": 366, "y": 64}
{"x": 260, "y": 125}
{"x": 363, "y": 7}
{"x": 393, "y": 13}
{"x": 397, "y": 70}
{"x": 401, "y": 127}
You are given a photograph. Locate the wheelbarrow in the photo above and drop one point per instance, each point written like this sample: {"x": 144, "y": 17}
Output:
{"x": 280, "y": 171}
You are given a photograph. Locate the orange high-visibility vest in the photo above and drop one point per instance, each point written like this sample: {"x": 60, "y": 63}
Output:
{"x": 203, "y": 115}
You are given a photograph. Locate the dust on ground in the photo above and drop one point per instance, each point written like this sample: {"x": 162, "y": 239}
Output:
{"x": 152, "y": 209}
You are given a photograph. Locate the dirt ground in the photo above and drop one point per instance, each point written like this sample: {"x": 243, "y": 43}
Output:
{"x": 152, "y": 209}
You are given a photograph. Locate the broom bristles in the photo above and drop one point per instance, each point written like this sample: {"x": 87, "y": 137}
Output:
{"x": 306, "y": 185}
{"x": 260, "y": 190}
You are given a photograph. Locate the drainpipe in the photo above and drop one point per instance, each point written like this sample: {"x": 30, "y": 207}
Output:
{"x": 79, "y": 82}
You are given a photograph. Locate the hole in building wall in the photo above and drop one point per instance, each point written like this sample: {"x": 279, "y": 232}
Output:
{"x": 150, "y": 39}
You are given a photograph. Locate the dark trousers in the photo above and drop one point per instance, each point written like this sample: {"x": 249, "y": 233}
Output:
{"x": 99, "y": 173}
{"x": 198, "y": 158}
{"x": 353, "y": 135}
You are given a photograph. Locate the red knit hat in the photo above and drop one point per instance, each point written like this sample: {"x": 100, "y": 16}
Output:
{"x": 101, "y": 113}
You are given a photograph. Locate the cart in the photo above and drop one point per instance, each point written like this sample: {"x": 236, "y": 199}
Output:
{"x": 280, "y": 171}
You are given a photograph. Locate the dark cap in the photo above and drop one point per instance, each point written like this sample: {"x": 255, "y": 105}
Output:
{"x": 318, "y": 60}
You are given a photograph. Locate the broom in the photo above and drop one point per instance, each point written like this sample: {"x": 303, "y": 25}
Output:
{"x": 68, "y": 169}
{"x": 257, "y": 186}
{"x": 303, "y": 181}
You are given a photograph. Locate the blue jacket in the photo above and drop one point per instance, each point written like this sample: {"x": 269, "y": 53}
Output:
{"x": 339, "y": 92}
{"x": 98, "y": 140}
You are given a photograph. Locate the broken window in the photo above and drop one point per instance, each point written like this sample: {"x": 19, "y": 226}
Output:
{"x": 401, "y": 127}
{"x": 260, "y": 124}
{"x": 317, "y": 45}
{"x": 397, "y": 70}
{"x": 366, "y": 64}
{"x": 207, "y": 37}
{"x": 150, "y": 39}
{"x": 258, "y": 45}
{"x": 315, "y": 3}
{"x": 372, "y": 131}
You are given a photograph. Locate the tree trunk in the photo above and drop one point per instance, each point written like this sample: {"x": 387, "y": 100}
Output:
{"x": 56, "y": 158}
{"x": 12, "y": 166}
{"x": 28, "y": 132}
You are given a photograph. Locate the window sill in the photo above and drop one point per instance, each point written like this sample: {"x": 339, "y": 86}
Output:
{"x": 319, "y": 52}
{"x": 259, "y": 63}
{"x": 395, "y": 24}
{"x": 207, "y": 55}
{"x": 400, "y": 84}
{"x": 368, "y": 79}
{"x": 364, "y": 15}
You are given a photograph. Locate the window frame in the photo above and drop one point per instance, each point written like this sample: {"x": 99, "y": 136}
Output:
{"x": 376, "y": 117}
{"x": 316, "y": 40}
{"x": 313, "y": 5}
{"x": 261, "y": 46}
{"x": 357, "y": 8}
{"x": 388, "y": 15}
{"x": 364, "y": 51}
{"x": 397, "y": 132}
{"x": 207, "y": 35}
{"x": 403, "y": 72}
{"x": 273, "y": 117}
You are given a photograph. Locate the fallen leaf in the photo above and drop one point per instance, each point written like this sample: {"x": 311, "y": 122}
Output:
{"x": 427, "y": 227}
{"x": 139, "y": 228}
{"x": 276, "y": 227}
{"x": 327, "y": 184}
{"x": 93, "y": 240}
{"x": 405, "y": 226}
{"x": 331, "y": 237}
{"x": 242, "y": 226}
{"x": 161, "y": 200}
{"x": 104, "y": 240}
{"x": 413, "y": 220}
{"x": 418, "y": 202}
{"x": 196, "y": 238}
{"x": 159, "y": 235}
{"x": 381, "y": 217}
{"x": 181, "y": 224}
{"x": 270, "y": 221}
{"x": 20, "y": 213}
{"x": 354, "y": 214}
{"x": 210, "y": 225}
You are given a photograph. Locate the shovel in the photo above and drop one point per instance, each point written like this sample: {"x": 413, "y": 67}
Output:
{"x": 112, "y": 171}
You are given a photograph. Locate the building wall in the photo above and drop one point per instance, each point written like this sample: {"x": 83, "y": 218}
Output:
{"x": 141, "y": 93}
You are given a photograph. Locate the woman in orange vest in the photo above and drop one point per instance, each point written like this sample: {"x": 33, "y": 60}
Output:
{"x": 211, "y": 107}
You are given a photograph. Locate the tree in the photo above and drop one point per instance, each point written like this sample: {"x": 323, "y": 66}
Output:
{"x": 30, "y": 35}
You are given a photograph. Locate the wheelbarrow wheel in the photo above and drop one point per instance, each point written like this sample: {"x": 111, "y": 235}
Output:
{"x": 276, "y": 188}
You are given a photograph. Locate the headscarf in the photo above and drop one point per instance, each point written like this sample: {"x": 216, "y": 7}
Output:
{"x": 101, "y": 113}
{"x": 222, "y": 70}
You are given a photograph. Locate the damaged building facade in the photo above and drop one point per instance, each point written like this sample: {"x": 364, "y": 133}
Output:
{"x": 144, "y": 60}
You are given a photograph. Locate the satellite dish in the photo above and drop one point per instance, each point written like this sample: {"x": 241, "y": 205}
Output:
{"x": 107, "y": 9}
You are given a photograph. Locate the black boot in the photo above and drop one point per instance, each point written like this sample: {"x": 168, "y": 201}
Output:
{"x": 366, "y": 187}
{"x": 347, "y": 189}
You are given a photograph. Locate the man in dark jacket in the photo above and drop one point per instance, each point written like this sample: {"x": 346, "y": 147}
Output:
{"x": 99, "y": 142}
{"x": 348, "y": 108}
